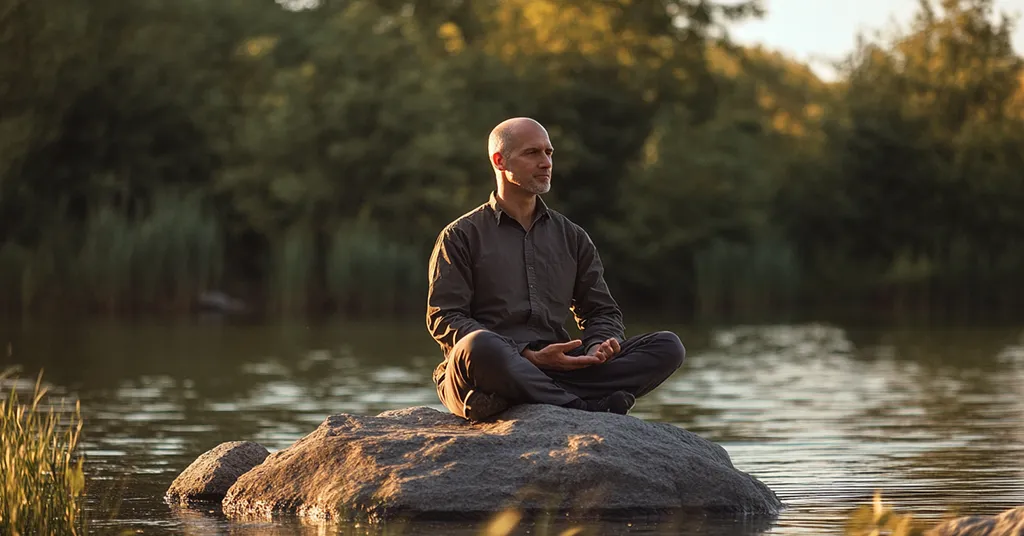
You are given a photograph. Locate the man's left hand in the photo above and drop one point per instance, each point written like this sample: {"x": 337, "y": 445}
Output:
{"x": 606, "y": 350}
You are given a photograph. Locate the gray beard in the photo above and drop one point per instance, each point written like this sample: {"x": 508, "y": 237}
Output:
{"x": 537, "y": 188}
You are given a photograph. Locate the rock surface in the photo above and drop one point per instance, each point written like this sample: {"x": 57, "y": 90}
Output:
{"x": 209, "y": 477}
{"x": 419, "y": 463}
{"x": 1008, "y": 523}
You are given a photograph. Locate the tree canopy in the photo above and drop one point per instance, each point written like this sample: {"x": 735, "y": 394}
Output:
{"x": 305, "y": 154}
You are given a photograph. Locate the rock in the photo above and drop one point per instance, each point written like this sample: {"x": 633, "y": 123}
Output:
{"x": 209, "y": 477}
{"x": 1008, "y": 523}
{"x": 419, "y": 464}
{"x": 220, "y": 302}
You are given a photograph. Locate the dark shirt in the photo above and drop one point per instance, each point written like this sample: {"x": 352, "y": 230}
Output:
{"x": 488, "y": 272}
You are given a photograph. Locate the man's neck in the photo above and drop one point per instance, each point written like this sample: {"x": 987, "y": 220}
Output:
{"x": 516, "y": 202}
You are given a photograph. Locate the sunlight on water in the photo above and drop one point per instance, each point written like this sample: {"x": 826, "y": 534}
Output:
{"x": 824, "y": 415}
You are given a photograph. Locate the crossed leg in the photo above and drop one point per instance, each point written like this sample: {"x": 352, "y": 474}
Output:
{"x": 487, "y": 362}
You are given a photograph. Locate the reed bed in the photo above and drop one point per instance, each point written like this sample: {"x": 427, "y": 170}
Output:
{"x": 162, "y": 256}
{"x": 162, "y": 259}
{"x": 292, "y": 264}
{"x": 117, "y": 262}
{"x": 368, "y": 274}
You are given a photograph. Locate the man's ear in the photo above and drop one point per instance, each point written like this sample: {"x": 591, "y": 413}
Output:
{"x": 498, "y": 161}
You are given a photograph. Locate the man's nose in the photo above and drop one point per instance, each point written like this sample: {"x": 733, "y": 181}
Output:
{"x": 545, "y": 162}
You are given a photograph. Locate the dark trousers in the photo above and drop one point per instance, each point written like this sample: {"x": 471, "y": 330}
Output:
{"x": 486, "y": 361}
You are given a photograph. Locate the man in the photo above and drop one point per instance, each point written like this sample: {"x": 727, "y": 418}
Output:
{"x": 503, "y": 278}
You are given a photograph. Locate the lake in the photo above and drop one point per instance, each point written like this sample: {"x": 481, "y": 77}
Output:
{"x": 825, "y": 414}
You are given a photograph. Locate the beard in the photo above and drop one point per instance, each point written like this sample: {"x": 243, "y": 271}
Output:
{"x": 537, "y": 186}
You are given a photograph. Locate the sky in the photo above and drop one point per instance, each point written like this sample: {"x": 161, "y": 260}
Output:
{"x": 815, "y": 30}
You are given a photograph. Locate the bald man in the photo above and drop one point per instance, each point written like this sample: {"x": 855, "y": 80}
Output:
{"x": 504, "y": 278}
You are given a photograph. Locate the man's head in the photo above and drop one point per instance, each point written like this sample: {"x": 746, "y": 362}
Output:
{"x": 520, "y": 153}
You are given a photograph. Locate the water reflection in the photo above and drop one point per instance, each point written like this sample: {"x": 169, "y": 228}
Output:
{"x": 194, "y": 521}
{"x": 824, "y": 415}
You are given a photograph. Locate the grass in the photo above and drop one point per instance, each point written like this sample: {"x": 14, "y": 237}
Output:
{"x": 293, "y": 257}
{"x": 363, "y": 272}
{"x": 165, "y": 257}
{"x": 880, "y": 520}
{"x": 372, "y": 275}
{"x": 42, "y": 483}
{"x": 162, "y": 260}
{"x": 116, "y": 262}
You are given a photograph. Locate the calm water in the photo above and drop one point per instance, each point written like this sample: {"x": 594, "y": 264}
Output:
{"x": 824, "y": 414}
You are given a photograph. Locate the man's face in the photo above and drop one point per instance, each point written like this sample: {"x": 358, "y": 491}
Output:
{"x": 528, "y": 164}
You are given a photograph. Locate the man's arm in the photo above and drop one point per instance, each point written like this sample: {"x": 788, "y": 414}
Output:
{"x": 597, "y": 314}
{"x": 451, "y": 289}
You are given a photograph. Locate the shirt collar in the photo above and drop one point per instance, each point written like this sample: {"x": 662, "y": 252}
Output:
{"x": 542, "y": 208}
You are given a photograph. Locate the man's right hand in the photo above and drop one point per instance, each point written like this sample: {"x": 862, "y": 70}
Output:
{"x": 553, "y": 356}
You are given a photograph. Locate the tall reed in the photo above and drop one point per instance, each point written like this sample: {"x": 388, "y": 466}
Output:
{"x": 165, "y": 256}
{"x": 105, "y": 260}
{"x": 368, "y": 274}
{"x": 33, "y": 275}
{"x": 179, "y": 250}
{"x": 292, "y": 264}
{"x": 42, "y": 482}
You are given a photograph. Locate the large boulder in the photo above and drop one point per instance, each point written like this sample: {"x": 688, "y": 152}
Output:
{"x": 1008, "y": 523}
{"x": 419, "y": 463}
{"x": 209, "y": 477}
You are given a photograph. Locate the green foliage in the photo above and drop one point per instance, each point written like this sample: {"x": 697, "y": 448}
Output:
{"x": 42, "y": 483}
{"x": 292, "y": 133}
{"x": 930, "y": 133}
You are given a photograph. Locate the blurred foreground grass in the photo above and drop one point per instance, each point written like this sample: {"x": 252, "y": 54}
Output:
{"x": 879, "y": 520}
{"x": 875, "y": 519}
{"x": 42, "y": 483}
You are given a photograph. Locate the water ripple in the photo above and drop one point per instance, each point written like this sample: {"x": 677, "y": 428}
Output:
{"x": 824, "y": 415}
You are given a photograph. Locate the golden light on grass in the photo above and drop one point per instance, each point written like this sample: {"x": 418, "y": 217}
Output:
{"x": 878, "y": 519}
{"x": 503, "y": 523}
{"x": 42, "y": 483}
